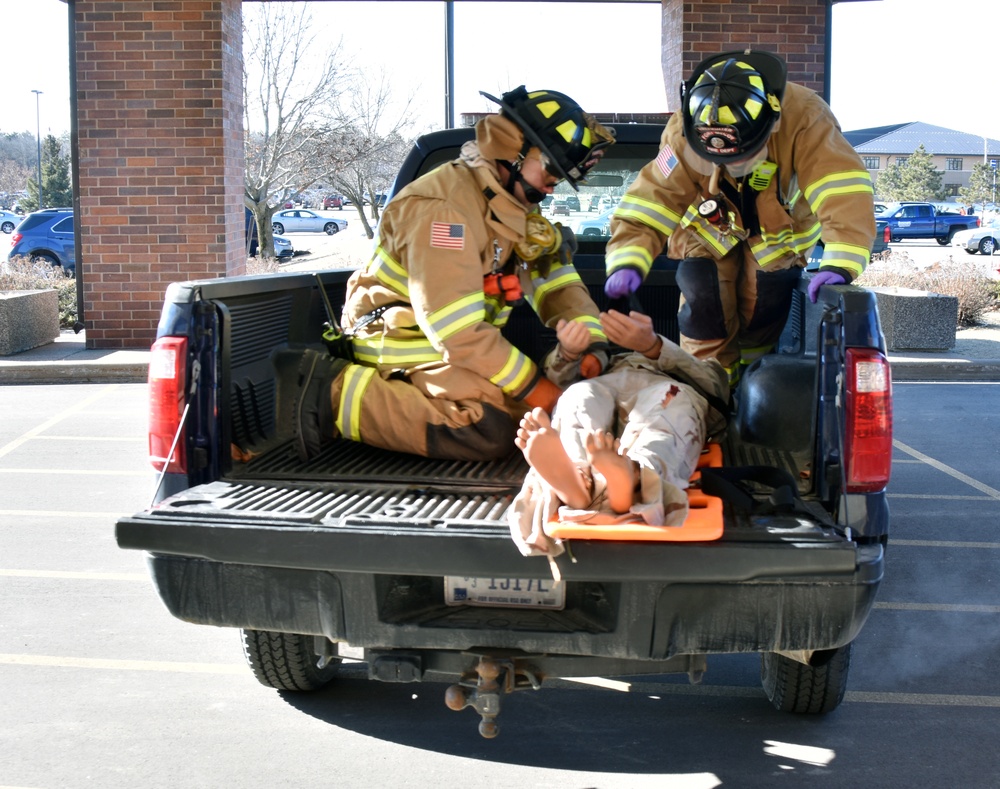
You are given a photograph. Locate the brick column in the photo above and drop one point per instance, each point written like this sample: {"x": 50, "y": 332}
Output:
{"x": 694, "y": 30}
{"x": 159, "y": 129}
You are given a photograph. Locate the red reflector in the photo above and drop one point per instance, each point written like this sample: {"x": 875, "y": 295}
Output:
{"x": 868, "y": 421}
{"x": 167, "y": 397}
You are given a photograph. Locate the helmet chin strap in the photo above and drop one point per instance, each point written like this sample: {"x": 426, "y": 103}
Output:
{"x": 531, "y": 194}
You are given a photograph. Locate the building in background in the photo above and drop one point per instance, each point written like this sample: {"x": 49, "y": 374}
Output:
{"x": 954, "y": 153}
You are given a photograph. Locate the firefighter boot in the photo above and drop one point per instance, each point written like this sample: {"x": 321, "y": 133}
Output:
{"x": 313, "y": 412}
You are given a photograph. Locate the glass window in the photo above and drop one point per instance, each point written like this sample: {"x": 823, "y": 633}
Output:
{"x": 63, "y": 225}
{"x": 901, "y": 159}
{"x": 954, "y": 164}
{"x": 872, "y": 162}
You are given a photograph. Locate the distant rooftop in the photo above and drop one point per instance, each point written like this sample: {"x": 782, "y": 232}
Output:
{"x": 907, "y": 137}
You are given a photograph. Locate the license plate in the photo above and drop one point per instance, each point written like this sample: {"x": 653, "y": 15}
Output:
{"x": 506, "y": 592}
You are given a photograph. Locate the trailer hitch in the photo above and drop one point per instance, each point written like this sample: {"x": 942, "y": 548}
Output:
{"x": 483, "y": 688}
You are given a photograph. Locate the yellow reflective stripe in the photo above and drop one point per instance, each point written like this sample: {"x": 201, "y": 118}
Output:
{"x": 593, "y": 326}
{"x": 750, "y": 355}
{"x": 392, "y": 352}
{"x": 356, "y": 380}
{"x": 846, "y": 256}
{"x": 515, "y": 374}
{"x": 648, "y": 213}
{"x": 460, "y": 314}
{"x": 774, "y": 246}
{"x": 707, "y": 233}
{"x": 629, "y": 257}
{"x": 849, "y": 182}
{"x": 500, "y": 319}
{"x": 389, "y": 272}
{"x": 558, "y": 277}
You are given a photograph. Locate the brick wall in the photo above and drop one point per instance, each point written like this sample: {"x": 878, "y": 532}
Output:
{"x": 694, "y": 30}
{"x": 160, "y": 156}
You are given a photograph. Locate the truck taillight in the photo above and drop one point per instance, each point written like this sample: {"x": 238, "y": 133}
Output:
{"x": 868, "y": 421}
{"x": 167, "y": 398}
{"x": 887, "y": 234}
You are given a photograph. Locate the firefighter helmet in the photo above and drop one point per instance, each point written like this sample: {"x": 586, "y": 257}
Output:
{"x": 731, "y": 103}
{"x": 571, "y": 141}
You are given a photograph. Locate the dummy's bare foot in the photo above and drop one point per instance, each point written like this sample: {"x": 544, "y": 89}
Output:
{"x": 620, "y": 472}
{"x": 545, "y": 453}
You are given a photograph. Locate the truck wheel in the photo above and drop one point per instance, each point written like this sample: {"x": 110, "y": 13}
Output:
{"x": 286, "y": 661}
{"x": 815, "y": 689}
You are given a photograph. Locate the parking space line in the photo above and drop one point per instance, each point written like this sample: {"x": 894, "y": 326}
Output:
{"x": 75, "y": 576}
{"x": 993, "y": 493}
{"x": 64, "y": 414}
{"x": 734, "y": 691}
{"x": 943, "y": 544}
{"x": 122, "y": 665}
{"x": 951, "y": 607}
{"x": 131, "y": 439}
{"x": 82, "y": 472}
{"x": 938, "y": 497}
{"x": 652, "y": 688}
{"x": 68, "y": 514}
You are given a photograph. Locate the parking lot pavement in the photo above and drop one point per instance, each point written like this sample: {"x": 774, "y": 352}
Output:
{"x": 101, "y": 686}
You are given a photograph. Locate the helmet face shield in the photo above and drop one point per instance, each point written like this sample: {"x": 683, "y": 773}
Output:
{"x": 731, "y": 104}
{"x": 571, "y": 141}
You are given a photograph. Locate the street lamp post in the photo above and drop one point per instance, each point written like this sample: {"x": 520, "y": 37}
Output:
{"x": 38, "y": 131}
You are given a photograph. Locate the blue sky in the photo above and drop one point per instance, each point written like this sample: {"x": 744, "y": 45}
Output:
{"x": 891, "y": 61}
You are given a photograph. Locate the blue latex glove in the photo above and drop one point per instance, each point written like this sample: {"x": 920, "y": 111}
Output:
{"x": 823, "y": 278}
{"x": 623, "y": 282}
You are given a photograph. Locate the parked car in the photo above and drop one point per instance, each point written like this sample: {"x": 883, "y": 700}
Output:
{"x": 984, "y": 240}
{"x": 283, "y": 249}
{"x": 559, "y": 206}
{"x": 333, "y": 201}
{"x": 600, "y": 225}
{"x": 47, "y": 236}
{"x": 607, "y": 202}
{"x": 592, "y": 202}
{"x": 574, "y": 202}
{"x": 300, "y": 220}
{"x": 8, "y": 221}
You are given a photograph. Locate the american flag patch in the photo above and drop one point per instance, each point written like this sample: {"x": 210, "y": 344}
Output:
{"x": 447, "y": 236}
{"x": 666, "y": 161}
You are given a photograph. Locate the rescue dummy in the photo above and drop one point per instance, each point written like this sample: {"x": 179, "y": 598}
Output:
{"x": 752, "y": 173}
{"x": 620, "y": 447}
{"x": 427, "y": 369}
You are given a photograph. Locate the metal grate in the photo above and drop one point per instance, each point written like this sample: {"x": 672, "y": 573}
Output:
{"x": 334, "y": 504}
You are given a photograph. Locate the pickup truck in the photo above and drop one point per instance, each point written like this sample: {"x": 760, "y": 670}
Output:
{"x": 923, "y": 220}
{"x": 357, "y": 554}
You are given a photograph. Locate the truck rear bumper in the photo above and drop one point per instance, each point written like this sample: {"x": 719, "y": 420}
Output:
{"x": 633, "y": 601}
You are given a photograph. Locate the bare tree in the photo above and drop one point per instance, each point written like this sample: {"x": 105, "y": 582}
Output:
{"x": 374, "y": 146}
{"x": 13, "y": 177}
{"x": 292, "y": 108}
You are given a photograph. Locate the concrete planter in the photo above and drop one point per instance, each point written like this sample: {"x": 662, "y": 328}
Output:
{"x": 916, "y": 320}
{"x": 28, "y": 318}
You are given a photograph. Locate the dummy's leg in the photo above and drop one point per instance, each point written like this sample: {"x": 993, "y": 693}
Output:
{"x": 545, "y": 453}
{"x": 620, "y": 472}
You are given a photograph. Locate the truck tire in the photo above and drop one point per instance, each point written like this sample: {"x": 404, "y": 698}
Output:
{"x": 815, "y": 689}
{"x": 286, "y": 661}
{"x": 946, "y": 240}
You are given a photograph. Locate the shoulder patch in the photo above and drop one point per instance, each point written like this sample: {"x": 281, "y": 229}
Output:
{"x": 447, "y": 236}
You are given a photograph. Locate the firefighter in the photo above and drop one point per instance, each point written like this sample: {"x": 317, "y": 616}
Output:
{"x": 752, "y": 173}
{"x": 429, "y": 371}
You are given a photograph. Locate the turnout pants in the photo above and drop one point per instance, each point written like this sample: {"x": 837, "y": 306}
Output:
{"x": 731, "y": 309}
{"x": 445, "y": 412}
